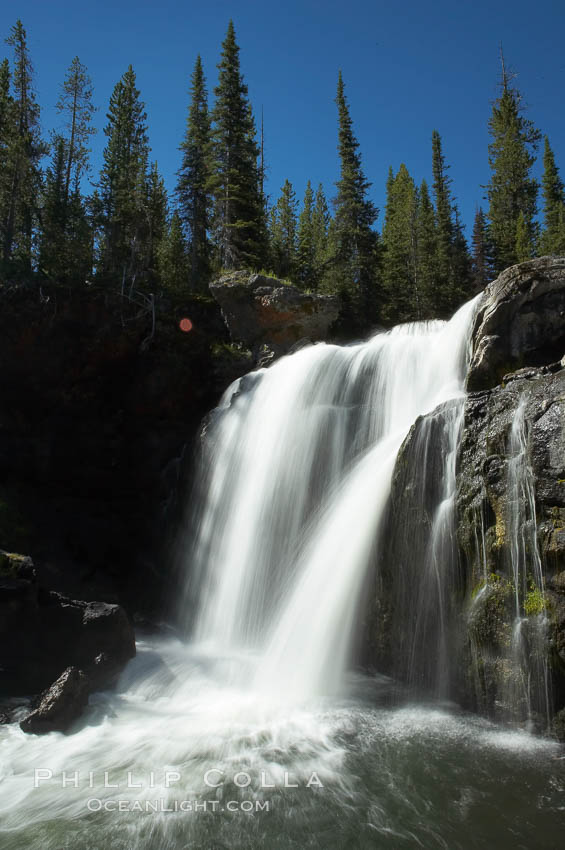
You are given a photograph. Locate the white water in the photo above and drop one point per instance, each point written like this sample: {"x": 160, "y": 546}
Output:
{"x": 528, "y": 689}
{"x": 300, "y": 473}
{"x": 298, "y": 479}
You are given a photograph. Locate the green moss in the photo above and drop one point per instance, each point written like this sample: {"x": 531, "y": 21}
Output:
{"x": 534, "y": 602}
{"x": 9, "y": 564}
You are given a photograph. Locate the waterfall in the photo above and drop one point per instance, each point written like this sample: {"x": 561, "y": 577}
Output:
{"x": 297, "y": 467}
{"x": 527, "y": 689}
{"x": 246, "y": 737}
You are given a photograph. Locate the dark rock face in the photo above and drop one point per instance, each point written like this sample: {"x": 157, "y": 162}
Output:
{"x": 261, "y": 310}
{"x": 42, "y": 633}
{"x": 521, "y": 322}
{"x": 485, "y": 540}
{"x": 60, "y": 705}
{"x": 415, "y": 576}
{"x": 93, "y": 425}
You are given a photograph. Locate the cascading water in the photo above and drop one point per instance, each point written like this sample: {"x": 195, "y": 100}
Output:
{"x": 527, "y": 689}
{"x": 246, "y": 737}
{"x": 301, "y": 466}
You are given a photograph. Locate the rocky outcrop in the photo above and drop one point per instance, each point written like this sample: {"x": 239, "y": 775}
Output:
{"x": 490, "y": 545}
{"x": 261, "y": 310}
{"x": 60, "y": 705}
{"x": 521, "y": 322}
{"x": 42, "y": 633}
{"x": 486, "y": 625}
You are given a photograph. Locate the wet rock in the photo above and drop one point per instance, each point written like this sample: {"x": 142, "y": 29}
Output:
{"x": 261, "y": 310}
{"x": 485, "y": 542}
{"x": 60, "y": 705}
{"x": 521, "y": 321}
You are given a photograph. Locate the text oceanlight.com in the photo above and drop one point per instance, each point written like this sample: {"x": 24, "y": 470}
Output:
{"x": 161, "y": 805}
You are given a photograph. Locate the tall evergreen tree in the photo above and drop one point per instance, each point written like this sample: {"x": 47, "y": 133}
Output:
{"x": 174, "y": 270}
{"x": 320, "y": 223}
{"x": 461, "y": 266}
{"x": 65, "y": 244}
{"x": 427, "y": 251}
{"x": 238, "y": 223}
{"x": 553, "y": 237}
{"x": 75, "y": 103}
{"x": 482, "y": 262}
{"x": 193, "y": 187}
{"x": 355, "y": 242}
{"x": 66, "y": 239}
{"x": 284, "y": 232}
{"x": 404, "y": 299}
{"x": 22, "y": 159}
{"x": 157, "y": 214}
{"x": 443, "y": 205}
{"x": 512, "y": 190}
{"x": 7, "y": 134}
{"x": 305, "y": 255}
{"x": 123, "y": 183}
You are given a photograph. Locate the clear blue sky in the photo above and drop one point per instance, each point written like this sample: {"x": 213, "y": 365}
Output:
{"x": 408, "y": 67}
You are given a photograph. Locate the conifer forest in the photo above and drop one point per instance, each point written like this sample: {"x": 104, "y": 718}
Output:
{"x": 60, "y": 222}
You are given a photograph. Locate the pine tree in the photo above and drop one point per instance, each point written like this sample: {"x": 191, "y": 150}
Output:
{"x": 157, "y": 213}
{"x": 123, "y": 189}
{"x": 427, "y": 251}
{"x": 355, "y": 243}
{"x": 174, "y": 270}
{"x": 7, "y": 134}
{"x": 553, "y": 237}
{"x": 404, "y": 299}
{"x": 65, "y": 239}
{"x": 512, "y": 190}
{"x": 238, "y": 223}
{"x": 482, "y": 263}
{"x": 305, "y": 255}
{"x": 193, "y": 186}
{"x": 443, "y": 205}
{"x": 284, "y": 232}
{"x": 65, "y": 244}
{"x": 524, "y": 244}
{"x": 75, "y": 103}
{"x": 320, "y": 223}
{"x": 22, "y": 159}
{"x": 461, "y": 267}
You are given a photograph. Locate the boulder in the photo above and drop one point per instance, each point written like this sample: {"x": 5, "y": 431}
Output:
{"x": 260, "y": 310}
{"x": 60, "y": 705}
{"x": 42, "y": 633}
{"x": 521, "y": 322}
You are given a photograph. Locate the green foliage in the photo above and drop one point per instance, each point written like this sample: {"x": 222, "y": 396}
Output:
{"x": 283, "y": 233}
{"x": 427, "y": 251}
{"x": 65, "y": 253}
{"x": 482, "y": 261}
{"x": 399, "y": 271}
{"x": 305, "y": 253}
{"x": 534, "y": 602}
{"x": 553, "y": 237}
{"x": 194, "y": 180}
{"x": 512, "y": 191}
{"x": 22, "y": 149}
{"x": 353, "y": 242}
{"x": 173, "y": 262}
{"x": 124, "y": 188}
{"x": 524, "y": 242}
{"x": 238, "y": 220}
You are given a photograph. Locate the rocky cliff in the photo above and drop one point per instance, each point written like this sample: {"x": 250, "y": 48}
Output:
{"x": 491, "y": 632}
